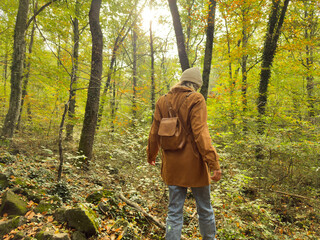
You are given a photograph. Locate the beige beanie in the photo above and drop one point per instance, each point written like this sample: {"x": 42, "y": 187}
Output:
{"x": 192, "y": 75}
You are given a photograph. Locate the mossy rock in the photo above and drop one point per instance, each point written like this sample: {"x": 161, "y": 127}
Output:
{"x": 12, "y": 204}
{"x": 4, "y": 182}
{"x": 60, "y": 215}
{"x": 94, "y": 197}
{"x": 7, "y": 226}
{"x": 78, "y": 236}
{"x": 83, "y": 219}
{"x": 44, "y": 207}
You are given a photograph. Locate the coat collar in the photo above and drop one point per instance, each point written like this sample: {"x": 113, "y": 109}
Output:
{"x": 180, "y": 89}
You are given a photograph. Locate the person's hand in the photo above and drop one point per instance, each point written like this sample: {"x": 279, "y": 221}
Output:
{"x": 153, "y": 163}
{"x": 216, "y": 175}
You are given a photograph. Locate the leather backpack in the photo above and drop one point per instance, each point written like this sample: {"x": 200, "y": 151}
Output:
{"x": 173, "y": 134}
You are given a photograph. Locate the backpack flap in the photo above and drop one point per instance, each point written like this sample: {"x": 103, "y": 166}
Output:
{"x": 168, "y": 126}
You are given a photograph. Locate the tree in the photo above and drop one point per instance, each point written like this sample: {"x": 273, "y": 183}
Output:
{"x": 93, "y": 96}
{"x": 208, "y": 49}
{"x": 275, "y": 22}
{"x": 183, "y": 57}
{"x": 16, "y": 70}
{"x": 74, "y": 72}
{"x": 153, "y": 87}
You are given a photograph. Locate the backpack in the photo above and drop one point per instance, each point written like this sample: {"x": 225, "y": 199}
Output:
{"x": 173, "y": 135}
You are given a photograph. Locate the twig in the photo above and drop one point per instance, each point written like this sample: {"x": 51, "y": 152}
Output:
{"x": 137, "y": 207}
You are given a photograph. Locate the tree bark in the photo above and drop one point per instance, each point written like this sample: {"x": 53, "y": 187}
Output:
{"x": 74, "y": 74}
{"x": 153, "y": 87}
{"x": 93, "y": 97}
{"x": 27, "y": 75}
{"x": 134, "y": 74}
{"x": 183, "y": 57}
{"x": 310, "y": 29}
{"x": 275, "y": 23}
{"x": 208, "y": 50}
{"x": 16, "y": 70}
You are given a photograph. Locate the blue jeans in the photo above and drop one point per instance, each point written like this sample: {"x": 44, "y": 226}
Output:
{"x": 177, "y": 197}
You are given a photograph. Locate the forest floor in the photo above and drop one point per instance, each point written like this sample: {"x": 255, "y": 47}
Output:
{"x": 243, "y": 211}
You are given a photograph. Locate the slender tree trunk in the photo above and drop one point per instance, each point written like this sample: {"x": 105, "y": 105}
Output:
{"x": 27, "y": 75}
{"x": 276, "y": 20}
{"x": 134, "y": 74}
{"x": 309, "y": 34}
{"x": 244, "y": 72}
{"x": 153, "y": 87}
{"x": 275, "y": 23}
{"x": 74, "y": 74}
{"x": 208, "y": 50}
{"x": 93, "y": 97}
{"x": 183, "y": 57}
{"x": 113, "y": 106}
{"x": 190, "y": 4}
{"x": 16, "y": 70}
{"x": 119, "y": 40}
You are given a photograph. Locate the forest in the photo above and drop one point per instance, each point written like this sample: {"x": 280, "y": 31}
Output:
{"x": 79, "y": 81}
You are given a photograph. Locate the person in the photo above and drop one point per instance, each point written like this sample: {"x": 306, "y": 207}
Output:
{"x": 193, "y": 166}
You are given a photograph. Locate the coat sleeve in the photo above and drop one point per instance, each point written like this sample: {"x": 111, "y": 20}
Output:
{"x": 198, "y": 117}
{"x": 154, "y": 139}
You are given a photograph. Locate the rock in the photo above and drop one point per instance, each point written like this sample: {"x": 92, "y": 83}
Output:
{"x": 4, "y": 182}
{"x": 12, "y": 204}
{"x": 83, "y": 219}
{"x": 59, "y": 215}
{"x": 61, "y": 236}
{"x": 7, "y": 226}
{"x": 78, "y": 236}
{"x": 44, "y": 207}
{"x": 52, "y": 236}
{"x": 94, "y": 197}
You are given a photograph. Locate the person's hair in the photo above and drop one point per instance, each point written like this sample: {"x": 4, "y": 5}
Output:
{"x": 188, "y": 84}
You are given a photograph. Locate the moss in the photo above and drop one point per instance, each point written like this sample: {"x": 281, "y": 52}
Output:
{"x": 91, "y": 214}
{"x": 12, "y": 204}
{"x": 83, "y": 219}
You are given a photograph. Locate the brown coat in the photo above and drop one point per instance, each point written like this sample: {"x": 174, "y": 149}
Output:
{"x": 188, "y": 167}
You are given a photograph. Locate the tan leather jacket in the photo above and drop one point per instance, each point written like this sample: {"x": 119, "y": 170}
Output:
{"x": 188, "y": 167}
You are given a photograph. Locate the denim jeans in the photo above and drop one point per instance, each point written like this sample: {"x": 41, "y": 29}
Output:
{"x": 177, "y": 197}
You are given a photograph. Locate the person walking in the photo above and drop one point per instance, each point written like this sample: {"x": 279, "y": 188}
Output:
{"x": 195, "y": 164}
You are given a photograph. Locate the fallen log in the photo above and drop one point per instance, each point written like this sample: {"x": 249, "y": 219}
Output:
{"x": 147, "y": 215}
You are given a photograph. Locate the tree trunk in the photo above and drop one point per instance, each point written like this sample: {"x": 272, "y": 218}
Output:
{"x": 119, "y": 40}
{"x": 93, "y": 97}
{"x": 309, "y": 35}
{"x": 276, "y": 20}
{"x": 274, "y": 27}
{"x": 28, "y": 65}
{"x": 183, "y": 57}
{"x": 208, "y": 50}
{"x": 134, "y": 74}
{"x": 244, "y": 71}
{"x": 16, "y": 70}
{"x": 74, "y": 74}
{"x": 153, "y": 87}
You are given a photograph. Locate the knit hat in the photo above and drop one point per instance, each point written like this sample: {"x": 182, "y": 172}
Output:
{"x": 192, "y": 75}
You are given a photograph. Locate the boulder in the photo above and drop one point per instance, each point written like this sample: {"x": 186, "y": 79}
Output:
{"x": 4, "y": 182}
{"x": 52, "y": 236}
{"x": 7, "y": 226}
{"x": 83, "y": 219}
{"x": 12, "y": 204}
{"x": 78, "y": 236}
{"x": 94, "y": 197}
{"x": 60, "y": 215}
